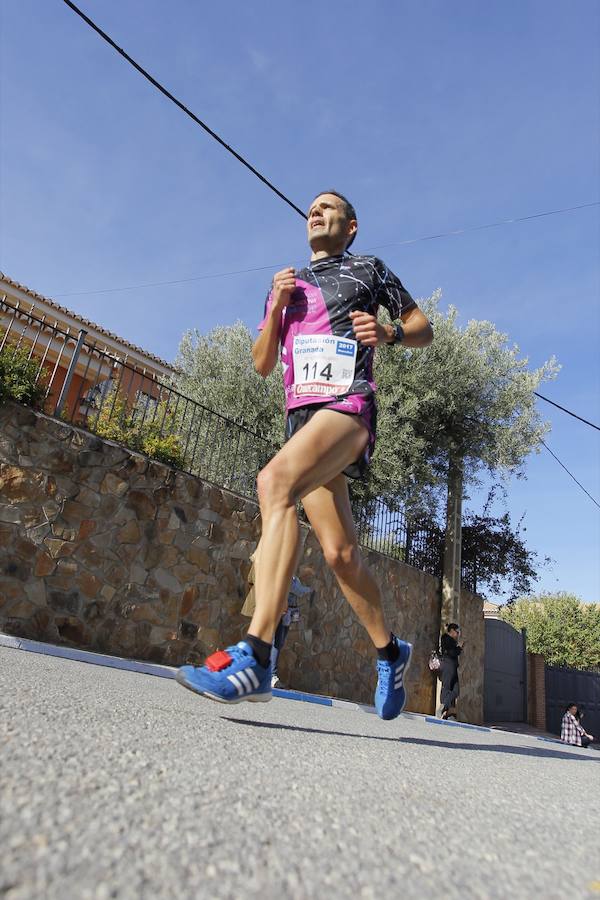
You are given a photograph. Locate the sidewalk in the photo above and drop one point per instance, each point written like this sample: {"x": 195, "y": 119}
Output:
{"x": 522, "y": 728}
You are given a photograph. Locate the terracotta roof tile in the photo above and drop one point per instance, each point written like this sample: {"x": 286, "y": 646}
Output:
{"x": 94, "y": 325}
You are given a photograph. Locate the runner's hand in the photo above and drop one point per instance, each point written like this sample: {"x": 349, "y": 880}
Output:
{"x": 284, "y": 284}
{"x": 367, "y": 329}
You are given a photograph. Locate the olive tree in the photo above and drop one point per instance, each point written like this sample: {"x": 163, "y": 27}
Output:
{"x": 216, "y": 369}
{"x": 467, "y": 399}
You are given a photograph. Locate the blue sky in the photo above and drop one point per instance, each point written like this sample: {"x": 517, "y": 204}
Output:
{"x": 430, "y": 116}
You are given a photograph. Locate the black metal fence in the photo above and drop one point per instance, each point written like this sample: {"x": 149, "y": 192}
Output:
{"x": 390, "y": 532}
{"x": 87, "y": 385}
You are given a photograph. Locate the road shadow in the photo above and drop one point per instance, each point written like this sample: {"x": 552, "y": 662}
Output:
{"x": 420, "y": 742}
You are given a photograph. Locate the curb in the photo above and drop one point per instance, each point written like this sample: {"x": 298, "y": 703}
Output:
{"x": 431, "y": 720}
{"x": 87, "y": 656}
{"x": 146, "y": 668}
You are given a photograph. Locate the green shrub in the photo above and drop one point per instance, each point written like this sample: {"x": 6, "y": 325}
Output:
{"x": 18, "y": 377}
{"x": 165, "y": 449}
{"x": 155, "y": 435}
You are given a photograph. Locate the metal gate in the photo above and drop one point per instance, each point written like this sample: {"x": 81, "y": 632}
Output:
{"x": 564, "y": 686}
{"x": 505, "y": 673}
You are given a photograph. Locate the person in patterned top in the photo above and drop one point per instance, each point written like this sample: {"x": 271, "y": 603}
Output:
{"x": 571, "y": 731}
{"x": 321, "y": 323}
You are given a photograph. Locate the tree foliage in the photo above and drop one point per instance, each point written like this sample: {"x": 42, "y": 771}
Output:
{"x": 217, "y": 371}
{"x": 157, "y": 435}
{"x": 495, "y": 557}
{"x": 469, "y": 394}
{"x": 19, "y": 378}
{"x": 560, "y": 627}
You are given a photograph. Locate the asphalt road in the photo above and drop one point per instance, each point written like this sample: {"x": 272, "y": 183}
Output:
{"x": 119, "y": 785}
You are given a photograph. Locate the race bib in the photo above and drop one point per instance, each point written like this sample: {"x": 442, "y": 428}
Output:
{"x": 323, "y": 365}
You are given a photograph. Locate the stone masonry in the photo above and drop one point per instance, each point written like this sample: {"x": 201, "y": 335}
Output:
{"x": 104, "y": 549}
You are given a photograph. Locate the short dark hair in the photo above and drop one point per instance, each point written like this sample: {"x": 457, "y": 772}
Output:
{"x": 348, "y": 209}
{"x": 452, "y": 626}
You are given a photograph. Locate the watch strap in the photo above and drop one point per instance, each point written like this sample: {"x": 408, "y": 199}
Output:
{"x": 398, "y": 334}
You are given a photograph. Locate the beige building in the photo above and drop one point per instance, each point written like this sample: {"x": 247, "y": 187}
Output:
{"x": 491, "y": 610}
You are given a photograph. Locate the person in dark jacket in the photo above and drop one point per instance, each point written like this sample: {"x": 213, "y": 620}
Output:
{"x": 450, "y": 651}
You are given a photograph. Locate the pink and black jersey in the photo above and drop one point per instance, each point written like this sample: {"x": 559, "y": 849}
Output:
{"x": 320, "y": 357}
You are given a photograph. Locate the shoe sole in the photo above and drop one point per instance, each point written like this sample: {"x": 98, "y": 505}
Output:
{"x": 253, "y": 698}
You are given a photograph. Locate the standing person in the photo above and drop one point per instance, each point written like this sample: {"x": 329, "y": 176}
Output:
{"x": 571, "y": 729}
{"x": 290, "y": 617}
{"x": 291, "y": 614}
{"x": 450, "y": 651}
{"x": 250, "y": 601}
{"x": 322, "y": 323}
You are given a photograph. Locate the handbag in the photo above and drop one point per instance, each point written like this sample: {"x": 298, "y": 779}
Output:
{"x": 435, "y": 661}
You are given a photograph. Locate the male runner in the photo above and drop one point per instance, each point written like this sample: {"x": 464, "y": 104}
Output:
{"x": 322, "y": 322}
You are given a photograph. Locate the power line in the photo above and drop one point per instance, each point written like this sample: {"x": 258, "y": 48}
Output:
{"x": 148, "y": 284}
{"x": 578, "y": 483}
{"x": 182, "y": 107}
{"x": 429, "y": 237}
{"x": 568, "y": 411}
{"x": 432, "y": 237}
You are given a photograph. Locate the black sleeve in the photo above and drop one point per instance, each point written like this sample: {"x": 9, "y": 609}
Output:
{"x": 390, "y": 292}
{"x": 450, "y": 647}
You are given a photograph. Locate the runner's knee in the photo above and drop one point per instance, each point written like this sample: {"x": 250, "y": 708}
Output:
{"x": 342, "y": 558}
{"x": 272, "y": 484}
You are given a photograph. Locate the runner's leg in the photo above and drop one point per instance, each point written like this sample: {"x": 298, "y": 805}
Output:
{"x": 329, "y": 512}
{"x": 319, "y": 451}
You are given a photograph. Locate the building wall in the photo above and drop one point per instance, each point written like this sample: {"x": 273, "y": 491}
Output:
{"x": 53, "y": 336}
{"x": 536, "y": 690}
{"x": 104, "y": 549}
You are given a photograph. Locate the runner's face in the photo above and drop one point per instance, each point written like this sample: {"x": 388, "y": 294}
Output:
{"x": 328, "y": 228}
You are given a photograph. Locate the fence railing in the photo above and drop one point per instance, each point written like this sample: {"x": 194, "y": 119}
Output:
{"x": 113, "y": 397}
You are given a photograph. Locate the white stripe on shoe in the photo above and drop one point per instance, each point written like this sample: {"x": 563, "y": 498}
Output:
{"x": 399, "y": 677}
{"x": 243, "y": 676}
{"x": 236, "y": 683}
{"x": 252, "y": 676}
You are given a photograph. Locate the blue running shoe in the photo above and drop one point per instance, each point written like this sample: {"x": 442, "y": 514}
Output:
{"x": 390, "y": 694}
{"x": 229, "y": 676}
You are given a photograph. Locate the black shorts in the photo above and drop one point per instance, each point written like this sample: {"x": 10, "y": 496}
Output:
{"x": 359, "y": 405}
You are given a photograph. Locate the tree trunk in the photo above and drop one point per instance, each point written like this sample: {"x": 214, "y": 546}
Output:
{"x": 452, "y": 545}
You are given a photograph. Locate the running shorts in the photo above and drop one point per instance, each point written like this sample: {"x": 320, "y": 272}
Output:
{"x": 353, "y": 405}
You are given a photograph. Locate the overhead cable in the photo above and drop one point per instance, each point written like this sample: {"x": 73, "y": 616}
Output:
{"x": 443, "y": 234}
{"x": 578, "y": 483}
{"x": 182, "y": 107}
{"x": 568, "y": 411}
{"x": 430, "y": 237}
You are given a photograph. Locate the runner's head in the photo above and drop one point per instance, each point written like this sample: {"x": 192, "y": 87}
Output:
{"x": 331, "y": 223}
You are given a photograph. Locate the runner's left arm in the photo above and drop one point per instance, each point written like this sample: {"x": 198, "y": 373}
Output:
{"x": 393, "y": 295}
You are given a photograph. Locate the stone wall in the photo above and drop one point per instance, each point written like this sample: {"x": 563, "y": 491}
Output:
{"x": 105, "y": 549}
{"x": 470, "y": 672}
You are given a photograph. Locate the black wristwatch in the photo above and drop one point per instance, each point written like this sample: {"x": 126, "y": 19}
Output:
{"x": 398, "y": 334}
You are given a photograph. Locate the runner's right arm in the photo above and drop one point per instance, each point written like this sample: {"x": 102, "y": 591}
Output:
{"x": 265, "y": 350}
